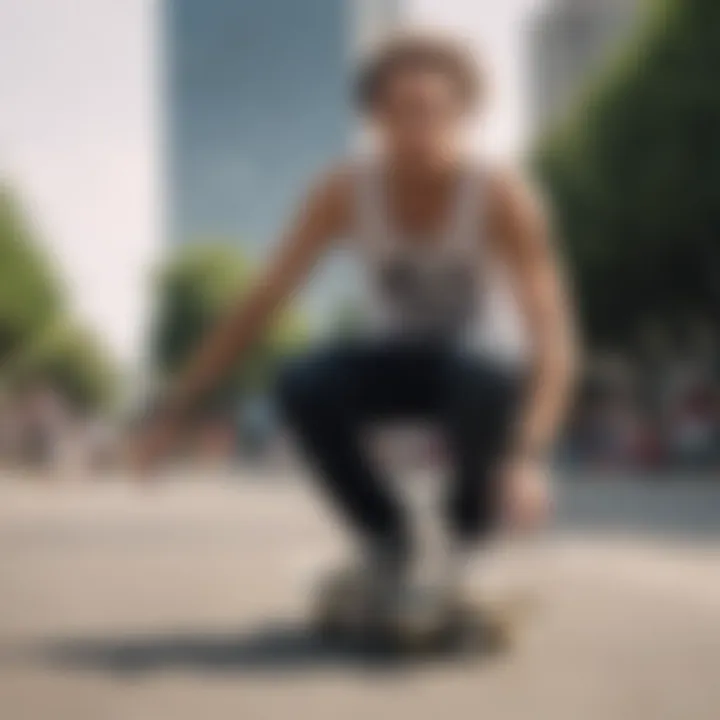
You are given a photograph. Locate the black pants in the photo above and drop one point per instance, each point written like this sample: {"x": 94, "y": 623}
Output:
{"x": 330, "y": 396}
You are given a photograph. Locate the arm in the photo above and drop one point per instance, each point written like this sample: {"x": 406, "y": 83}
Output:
{"x": 323, "y": 217}
{"x": 523, "y": 241}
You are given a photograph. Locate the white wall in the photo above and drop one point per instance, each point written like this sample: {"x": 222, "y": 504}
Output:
{"x": 78, "y": 141}
{"x": 497, "y": 30}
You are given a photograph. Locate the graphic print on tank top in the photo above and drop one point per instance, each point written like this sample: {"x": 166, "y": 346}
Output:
{"x": 428, "y": 288}
{"x": 435, "y": 299}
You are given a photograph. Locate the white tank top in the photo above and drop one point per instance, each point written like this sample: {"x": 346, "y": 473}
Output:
{"x": 446, "y": 287}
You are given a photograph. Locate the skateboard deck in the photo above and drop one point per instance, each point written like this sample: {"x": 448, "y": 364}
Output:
{"x": 472, "y": 625}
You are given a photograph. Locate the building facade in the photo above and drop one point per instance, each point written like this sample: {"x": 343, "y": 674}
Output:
{"x": 569, "y": 40}
{"x": 257, "y": 101}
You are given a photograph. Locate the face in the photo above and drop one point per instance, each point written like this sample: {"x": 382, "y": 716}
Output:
{"x": 419, "y": 114}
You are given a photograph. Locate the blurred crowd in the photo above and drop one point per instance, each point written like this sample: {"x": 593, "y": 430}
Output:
{"x": 658, "y": 407}
{"x": 42, "y": 430}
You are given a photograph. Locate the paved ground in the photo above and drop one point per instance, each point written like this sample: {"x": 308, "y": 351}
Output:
{"x": 188, "y": 601}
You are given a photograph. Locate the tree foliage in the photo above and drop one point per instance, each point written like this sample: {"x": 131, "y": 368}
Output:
{"x": 38, "y": 342}
{"x": 29, "y": 292}
{"x": 634, "y": 177}
{"x": 70, "y": 358}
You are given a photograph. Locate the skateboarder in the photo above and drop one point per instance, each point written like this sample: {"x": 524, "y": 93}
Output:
{"x": 468, "y": 319}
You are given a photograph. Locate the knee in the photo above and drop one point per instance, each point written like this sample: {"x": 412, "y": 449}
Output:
{"x": 304, "y": 392}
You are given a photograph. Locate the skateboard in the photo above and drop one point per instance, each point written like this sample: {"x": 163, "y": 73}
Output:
{"x": 473, "y": 625}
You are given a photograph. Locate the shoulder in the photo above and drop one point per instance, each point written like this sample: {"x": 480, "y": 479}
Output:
{"x": 514, "y": 214}
{"x": 513, "y": 205}
{"x": 509, "y": 194}
{"x": 332, "y": 188}
{"x": 331, "y": 194}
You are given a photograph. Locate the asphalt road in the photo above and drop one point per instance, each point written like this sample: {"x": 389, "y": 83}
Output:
{"x": 190, "y": 600}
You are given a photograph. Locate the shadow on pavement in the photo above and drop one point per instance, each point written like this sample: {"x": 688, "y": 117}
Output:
{"x": 273, "y": 648}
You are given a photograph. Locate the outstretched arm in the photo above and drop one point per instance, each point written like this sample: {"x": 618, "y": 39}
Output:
{"x": 523, "y": 240}
{"x": 520, "y": 231}
{"x": 322, "y": 217}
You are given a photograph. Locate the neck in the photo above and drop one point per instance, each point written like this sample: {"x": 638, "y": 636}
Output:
{"x": 416, "y": 167}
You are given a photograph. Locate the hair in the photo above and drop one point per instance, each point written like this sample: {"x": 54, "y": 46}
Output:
{"x": 405, "y": 52}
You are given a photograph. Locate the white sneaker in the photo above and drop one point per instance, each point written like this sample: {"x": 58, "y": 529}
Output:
{"x": 414, "y": 599}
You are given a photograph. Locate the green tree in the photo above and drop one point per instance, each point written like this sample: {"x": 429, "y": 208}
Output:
{"x": 70, "y": 358}
{"x": 38, "y": 342}
{"x": 30, "y": 294}
{"x": 634, "y": 176}
{"x": 194, "y": 289}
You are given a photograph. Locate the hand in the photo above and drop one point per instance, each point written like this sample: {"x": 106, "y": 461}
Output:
{"x": 151, "y": 447}
{"x": 525, "y": 494}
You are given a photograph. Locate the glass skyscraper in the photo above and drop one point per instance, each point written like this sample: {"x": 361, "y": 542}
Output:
{"x": 257, "y": 102}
